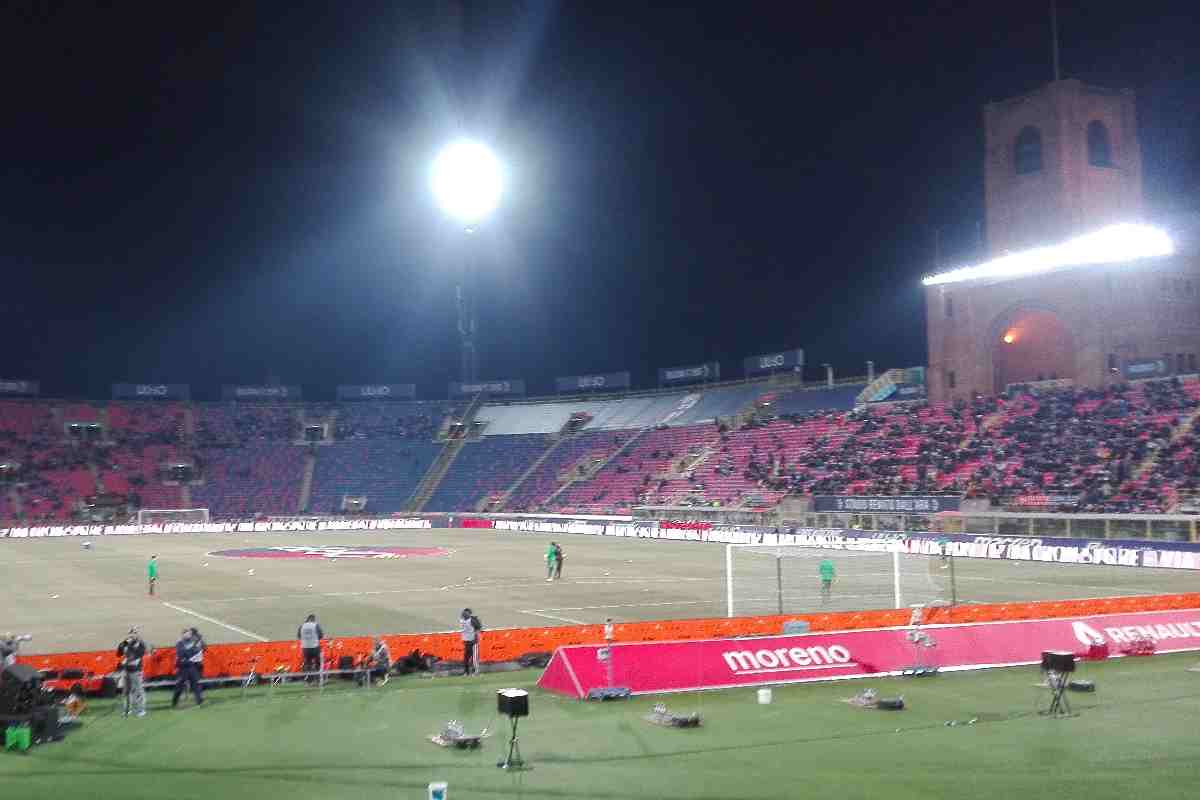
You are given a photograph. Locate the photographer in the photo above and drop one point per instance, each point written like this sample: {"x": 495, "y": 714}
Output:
{"x": 187, "y": 669}
{"x": 9, "y": 645}
{"x": 132, "y": 652}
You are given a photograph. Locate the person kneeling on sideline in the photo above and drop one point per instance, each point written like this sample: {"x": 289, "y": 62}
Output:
{"x": 379, "y": 662}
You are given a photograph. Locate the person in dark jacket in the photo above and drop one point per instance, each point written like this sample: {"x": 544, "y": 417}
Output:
{"x": 187, "y": 672}
{"x": 133, "y": 651}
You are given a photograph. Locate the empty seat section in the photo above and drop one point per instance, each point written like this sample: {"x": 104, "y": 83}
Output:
{"x": 483, "y": 468}
{"x": 385, "y": 471}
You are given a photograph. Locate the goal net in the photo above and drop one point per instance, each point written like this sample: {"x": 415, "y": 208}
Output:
{"x": 786, "y": 579}
{"x": 166, "y": 516}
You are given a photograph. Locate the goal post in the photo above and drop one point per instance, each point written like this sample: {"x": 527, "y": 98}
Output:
{"x": 168, "y": 516}
{"x": 786, "y": 579}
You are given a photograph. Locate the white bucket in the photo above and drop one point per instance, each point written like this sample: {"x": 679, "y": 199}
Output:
{"x": 437, "y": 790}
{"x": 764, "y": 697}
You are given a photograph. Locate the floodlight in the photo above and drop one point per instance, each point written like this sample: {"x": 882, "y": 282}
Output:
{"x": 466, "y": 180}
{"x": 1010, "y": 337}
{"x": 1115, "y": 243}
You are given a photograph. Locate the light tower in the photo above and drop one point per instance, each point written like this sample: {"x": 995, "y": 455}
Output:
{"x": 466, "y": 180}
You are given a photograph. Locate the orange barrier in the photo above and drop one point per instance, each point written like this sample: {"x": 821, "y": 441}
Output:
{"x": 508, "y": 644}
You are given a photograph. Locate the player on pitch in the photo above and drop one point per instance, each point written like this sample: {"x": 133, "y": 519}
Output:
{"x": 152, "y": 572}
{"x": 551, "y": 560}
{"x": 825, "y": 568}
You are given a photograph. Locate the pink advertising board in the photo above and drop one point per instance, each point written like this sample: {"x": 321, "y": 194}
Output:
{"x": 680, "y": 666}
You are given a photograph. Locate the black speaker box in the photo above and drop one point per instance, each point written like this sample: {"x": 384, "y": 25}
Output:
{"x": 1081, "y": 686}
{"x": 890, "y": 704}
{"x": 513, "y": 702}
{"x": 46, "y": 726}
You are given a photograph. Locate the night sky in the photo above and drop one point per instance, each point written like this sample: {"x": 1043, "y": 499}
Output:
{"x": 211, "y": 194}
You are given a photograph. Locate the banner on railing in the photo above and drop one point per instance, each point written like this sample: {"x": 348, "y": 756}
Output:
{"x": 604, "y": 382}
{"x": 151, "y": 391}
{"x": 886, "y": 504}
{"x": 378, "y": 391}
{"x": 900, "y": 392}
{"x": 18, "y": 388}
{"x": 1044, "y": 500}
{"x": 682, "y": 666}
{"x": 710, "y": 371}
{"x": 260, "y": 392}
{"x": 514, "y": 387}
{"x": 774, "y": 362}
{"x": 1147, "y": 368}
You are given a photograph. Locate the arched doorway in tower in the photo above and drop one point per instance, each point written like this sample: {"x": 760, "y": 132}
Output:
{"x": 1032, "y": 345}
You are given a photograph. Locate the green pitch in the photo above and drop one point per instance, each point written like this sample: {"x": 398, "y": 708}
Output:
{"x": 1134, "y": 738}
{"x": 75, "y": 599}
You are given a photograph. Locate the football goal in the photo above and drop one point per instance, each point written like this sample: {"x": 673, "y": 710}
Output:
{"x": 787, "y": 579}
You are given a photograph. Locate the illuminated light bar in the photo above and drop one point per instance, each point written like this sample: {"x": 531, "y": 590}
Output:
{"x": 1124, "y": 242}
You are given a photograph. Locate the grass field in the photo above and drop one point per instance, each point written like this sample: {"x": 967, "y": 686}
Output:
{"x": 75, "y": 599}
{"x": 1134, "y": 738}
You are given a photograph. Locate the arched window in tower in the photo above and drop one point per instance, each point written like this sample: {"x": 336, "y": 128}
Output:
{"x": 1099, "y": 148}
{"x": 1027, "y": 152}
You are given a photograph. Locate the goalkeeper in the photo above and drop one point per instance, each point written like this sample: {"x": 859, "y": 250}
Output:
{"x": 152, "y": 573}
{"x": 828, "y": 573}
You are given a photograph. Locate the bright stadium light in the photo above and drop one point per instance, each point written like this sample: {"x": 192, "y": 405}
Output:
{"x": 466, "y": 180}
{"x": 1124, "y": 242}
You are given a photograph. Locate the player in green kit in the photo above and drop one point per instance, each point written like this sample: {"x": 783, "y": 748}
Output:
{"x": 827, "y": 575}
{"x": 152, "y": 573}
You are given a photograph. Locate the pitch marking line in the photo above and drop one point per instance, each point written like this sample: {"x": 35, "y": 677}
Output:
{"x": 553, "y": 617}
{"x": 225, "y": 625}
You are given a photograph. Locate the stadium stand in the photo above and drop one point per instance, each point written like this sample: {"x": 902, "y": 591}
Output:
{"x": 393, "y": 420}
{"x": 486, "y": 467}
{"x": 226, "y": 424}
{"x": 653, "y": 470}
{"x": 806, "y": 401}
{"x": 259, "y": 477}
{"x": 385, "y": 471}
{"x": 1125, "y": 448}
{"x": 572, "y": 458}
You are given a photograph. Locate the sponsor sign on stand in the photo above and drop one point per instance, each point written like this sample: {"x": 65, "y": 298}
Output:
{"x": 337, "y": 552}
{"x": 260, "y": 392}
{"x": 15, "y": 387}
{"x": 378, "y": 391}
{"x": 650, "y": 667}
{"x": 774, "y": 362}
{"x": 151, "y": 391}
{"x": 606, "y": 382}
{"x": 710, "y": 371}
{"x": 493, "y": 388}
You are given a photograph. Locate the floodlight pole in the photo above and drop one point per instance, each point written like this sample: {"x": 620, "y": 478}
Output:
{"x": 468, "y": 322}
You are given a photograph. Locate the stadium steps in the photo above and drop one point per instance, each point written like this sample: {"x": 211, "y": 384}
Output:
{"x": 441, "y": 465}
{"x": 592, "y": 473}
{"x": 306, "y": 483}
{"x": 185, "y": 495}
{"x": 532, "y": 469}
{"x": 1188, "y": 425}
{"x": 189, "y": 422}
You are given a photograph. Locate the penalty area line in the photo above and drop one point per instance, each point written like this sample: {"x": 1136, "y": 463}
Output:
{"x": 225, "y": 625}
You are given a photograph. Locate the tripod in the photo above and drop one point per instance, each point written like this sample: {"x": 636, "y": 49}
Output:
{"x": 1059, "y": 706}
{"x": 513, "y": 760}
